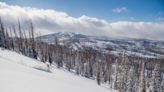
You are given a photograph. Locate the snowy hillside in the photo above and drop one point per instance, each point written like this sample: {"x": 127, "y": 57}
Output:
{"x": 22, "y": 74}
{"x": 140, "y": 47}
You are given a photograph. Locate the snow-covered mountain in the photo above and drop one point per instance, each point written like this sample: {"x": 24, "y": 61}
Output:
{"x": 141, "y": 47}
{"x": 19, "y": 73}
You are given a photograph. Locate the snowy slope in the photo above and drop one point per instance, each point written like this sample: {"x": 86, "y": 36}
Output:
{"x": 19, "y": 74}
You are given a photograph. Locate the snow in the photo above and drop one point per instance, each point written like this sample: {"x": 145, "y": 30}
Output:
{"x": 22, "y": 74}
{"x": 138, "y": 47}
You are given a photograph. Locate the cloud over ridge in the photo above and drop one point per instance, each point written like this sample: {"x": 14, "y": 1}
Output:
{"x": 49, "y": 21}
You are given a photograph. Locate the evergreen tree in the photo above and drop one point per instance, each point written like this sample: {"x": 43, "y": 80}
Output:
{"x": 130, "y": 80}
{"x": 155, "y": 84}
{"x": 2, "y": 34}
{"x": 142, "y": 78}
{"x": 98, "y": 70}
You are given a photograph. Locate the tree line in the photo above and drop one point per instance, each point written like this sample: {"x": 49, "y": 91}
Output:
{"x": 123, "y": 73}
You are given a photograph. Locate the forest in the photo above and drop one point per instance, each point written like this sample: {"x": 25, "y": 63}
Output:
{"x": 121, "y": 72}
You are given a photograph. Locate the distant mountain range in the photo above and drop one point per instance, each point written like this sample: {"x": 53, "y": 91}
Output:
{"x": 130, "y": 46}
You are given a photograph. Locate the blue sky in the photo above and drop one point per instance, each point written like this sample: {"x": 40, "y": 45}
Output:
{"x": 136, "y": 10}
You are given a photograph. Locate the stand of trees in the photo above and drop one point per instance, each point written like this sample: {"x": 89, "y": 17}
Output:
{"x": 122, "y": 72}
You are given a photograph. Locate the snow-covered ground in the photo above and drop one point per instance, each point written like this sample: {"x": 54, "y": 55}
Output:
{"x": 22, "y": 74}
{"x": 130, "y": 46}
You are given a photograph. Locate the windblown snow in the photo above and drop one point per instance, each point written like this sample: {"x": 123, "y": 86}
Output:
{"x": 22, "y": 74}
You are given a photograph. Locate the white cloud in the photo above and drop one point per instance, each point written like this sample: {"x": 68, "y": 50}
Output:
{"x": 120, "y": 10}
{"x": 161, "y": 18}
{"x": 49, "y": 21}
{"x": 160, "y": 13}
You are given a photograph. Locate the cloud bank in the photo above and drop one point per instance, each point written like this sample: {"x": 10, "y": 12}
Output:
{"x": 48, "y": 21}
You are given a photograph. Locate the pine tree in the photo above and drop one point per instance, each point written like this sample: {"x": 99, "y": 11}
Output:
{"x": 2, "y": 34}
{"x": 11, "y": 39}
{"x": 98, "y": 70}
{"x": 20, "y": 38}
{"x": 155, "y": 84}
{"x": 162, "y": 86}
{"x": 142, "y": 78}
{"x": 109, "y": 67}
{"x": 130, "y": 80}
{"x": 33, "y": 43}
{"x": 119, "y": 74}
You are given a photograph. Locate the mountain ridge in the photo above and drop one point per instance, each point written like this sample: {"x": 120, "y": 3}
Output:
{"x": 141, "y": 47}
